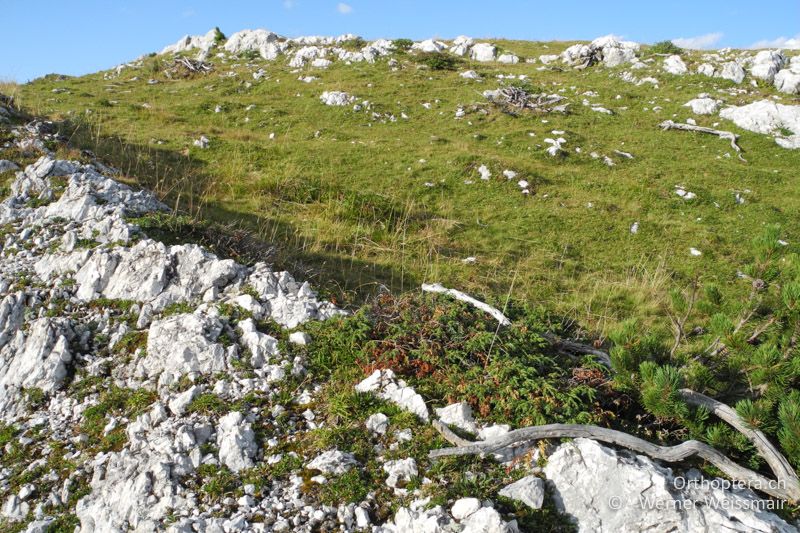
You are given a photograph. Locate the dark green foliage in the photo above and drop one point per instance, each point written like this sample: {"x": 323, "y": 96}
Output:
{"x": 740, "y": 350}
{"x": 219, "y": 37}
{"x": 403, "y": 44}
{"x": 438, "y": 61}
{"x": 666, "y": 47}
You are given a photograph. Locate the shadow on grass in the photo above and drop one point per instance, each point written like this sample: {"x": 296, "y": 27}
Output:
{"x": 186, "y": 185}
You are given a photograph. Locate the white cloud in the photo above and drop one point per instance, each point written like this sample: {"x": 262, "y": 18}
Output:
{"x": 343, "y": 8}
{"x": 792, "y": 43}
{"x": 700, "y": 42}
{"x": 288, "y": 4}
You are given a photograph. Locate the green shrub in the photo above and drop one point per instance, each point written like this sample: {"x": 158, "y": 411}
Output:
{"x": 403, "y": 44}
{"x": 666, "y": 47}
{"x": 438, "y": 61}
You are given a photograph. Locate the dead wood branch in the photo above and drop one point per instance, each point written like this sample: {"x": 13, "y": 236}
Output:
{"x": 732, "y": 137}
{"x": 780, "y": 488}
{"x": 517, "y": 98}
{"x": 184, "y": 67}
{"x": 569, "y": 347}
{"x": 458, "y": 295}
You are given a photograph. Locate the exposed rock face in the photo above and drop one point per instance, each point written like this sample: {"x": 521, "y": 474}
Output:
{"x": 262, "y": 41}
{"x": 609, "y": 50}
{"x": 383, "y": 383}
{"x": 766, "y": 64}
{"x": 140, "y": 485}
{"x": 703, "y": 106}
{"x": 675, "y": 65}
{"x": 36, "y": 359}
{"x": 605, "y": 490}
{"x": 336, "y": 98}
{"x": 787, "y": 81}
{"x": 68, "y": 241}
{"x": 768, "y": 118}
{"x": 483, "y": 52}
{"x": 236, "y": 442}
{"x": 182, "y": 344}
{"x": 203, "y": 43}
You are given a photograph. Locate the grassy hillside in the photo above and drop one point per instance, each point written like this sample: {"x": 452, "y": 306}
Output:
{"x": 353, "y": 201}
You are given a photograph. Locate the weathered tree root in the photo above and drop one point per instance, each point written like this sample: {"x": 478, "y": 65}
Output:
{"x": 732, "y": 137}
{"x": 786, "y": 489}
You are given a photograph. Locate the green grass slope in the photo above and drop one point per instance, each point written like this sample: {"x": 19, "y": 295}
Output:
{"x": 354, "y": 201}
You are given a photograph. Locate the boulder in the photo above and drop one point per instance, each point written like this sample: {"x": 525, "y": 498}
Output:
{"x": 236, "y": 442}
{"x": 401, "y": 470}
{"x": 458, "y": 415}
{"x": 461, "y": 45}
{"x": 203, "y": 43}
{"x": 675, "y": 65}
{"x": 604, "y": 490}
{"x": 333, "y": 462}
{"x": 766, "y": 64}
{"x": 464, "y": 507}
{"x": 483, "y": 52}
{"x": 732, "y": 71}
{"x": 703, "y": 106}
{"x": 429, "y": 46}
{"x": 336, "y": 98}
{"x": 508, "y": 59}
{"x": 384, "y": 385}
{"x": 608, "y": 49}
{"x": 528, "y": 490}
{"x": 787, "y": 81}
{"x": 265, "y": 42}
{"x": 767, "y": 117}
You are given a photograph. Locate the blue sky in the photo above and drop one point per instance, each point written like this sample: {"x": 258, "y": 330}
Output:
{"x": 81, "y": 36}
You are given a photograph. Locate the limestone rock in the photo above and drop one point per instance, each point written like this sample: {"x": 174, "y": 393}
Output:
{"x": 787, "y": 81}
{"x": 483, "y": 52}
{"x": 236, "y": 442}
{"x": 703, "y": 106}
{"x": 384, "y": 385}
{"x": 766, "y": 64}
{"x": 336, "y": 98}
{"x": 528, "y": 490}
{"x": 183, "y": 344}
{"x": 459, "y": 415}
{"x": 333, "y": 462}
{"x": 767, "y": 117}
{"x": 675, "y": 65}
{"x": 606, "y": 490}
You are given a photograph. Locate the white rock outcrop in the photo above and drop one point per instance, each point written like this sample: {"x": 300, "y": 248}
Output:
{"x": 385, "y": 386}
{"x": 203, "y": 43}
{"x": 336, "y": 98}
{"x": 483, "y": 52}
{"x": 767, "y": 117}
{"x": 608, "y": 49}
{"x": 675, "y": 65}
{"x": 236, "y": 442}
{"x": 766, "y": 64}
{"x": 609, "y": 491}
{"x": 703, "y": 106}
